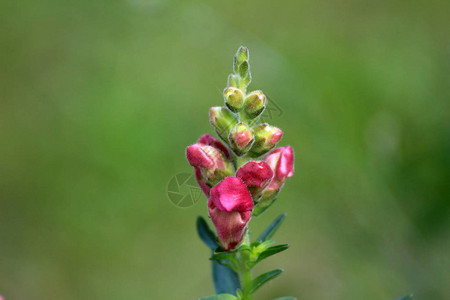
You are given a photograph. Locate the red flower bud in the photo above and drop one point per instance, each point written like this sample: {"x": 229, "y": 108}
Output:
{"x": 210, "y": 158}
{"x": 230, "y": 208}
{"x": 255, "y": 175}
{"x": 281, "y": 160}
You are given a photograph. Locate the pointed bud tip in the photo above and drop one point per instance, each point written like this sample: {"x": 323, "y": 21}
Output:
{"x": 242, "y": 54}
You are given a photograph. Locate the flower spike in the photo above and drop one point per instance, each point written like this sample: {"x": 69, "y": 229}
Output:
{"x": 238, "y": 186}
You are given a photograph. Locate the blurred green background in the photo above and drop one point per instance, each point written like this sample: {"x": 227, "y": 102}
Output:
{"x": 100, "y": 98}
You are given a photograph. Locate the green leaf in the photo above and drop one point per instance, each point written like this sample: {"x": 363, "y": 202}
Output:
{"x": 219, "y": 297}
{"x": 271, "y": 251}
{"x": 261, "y": 279}
{"x": 206, "y": 234}
{"x": 225, "y": 279}
{"x": 407, "y": 297}
{"x": 272, "y": 228}
{"x": 286, "y": 298}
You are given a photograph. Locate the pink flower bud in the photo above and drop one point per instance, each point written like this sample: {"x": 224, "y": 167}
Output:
{"x": 241, "y": 138}
{"x": 210, "y": 158}
{"x": 230, "y": 208}
{"x": 281, "y": 160}
{"x": 255, "y": 175}
{"x": 266, "y": 137}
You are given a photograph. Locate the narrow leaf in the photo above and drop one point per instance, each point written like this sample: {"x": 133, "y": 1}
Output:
{"x": 225, "y": 279}
{"x": 272, "y": 228}
{"x": 271, "y": 251}
{"x": 261, "y": 279}
{"x": 206, "y": 234}
{"x": 219, "y": 297}
{"x": 407, "y": 297}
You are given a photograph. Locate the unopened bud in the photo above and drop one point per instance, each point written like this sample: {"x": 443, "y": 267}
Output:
{"x": 241, "y": 138}
{"x": 223, "y": 121}
{"x": 242, "y": 54}
{"x": 241, "y": 67}
{"x": 254, "y": 104}
{"x": 266, "y": 137}
{"x": 234, "y": 98}
{"x": 233, "y": 81}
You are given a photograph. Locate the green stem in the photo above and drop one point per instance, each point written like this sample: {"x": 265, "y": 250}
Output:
{"x": 246, "y": 277}
{"x": 245, "y": 272}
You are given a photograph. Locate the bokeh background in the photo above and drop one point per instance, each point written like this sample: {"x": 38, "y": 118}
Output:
{"x": 100, "y": 98}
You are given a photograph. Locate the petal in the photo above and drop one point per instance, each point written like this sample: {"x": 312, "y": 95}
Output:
{"x": 231, "y": 194}
{"x": 197, "y": 157}
{"x": 211, "y": 141}
{"x": 201, "y": 182}
{"x": 255, "y": 173}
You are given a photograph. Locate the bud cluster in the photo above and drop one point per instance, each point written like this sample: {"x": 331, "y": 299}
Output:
{"x": 236, "y": 185}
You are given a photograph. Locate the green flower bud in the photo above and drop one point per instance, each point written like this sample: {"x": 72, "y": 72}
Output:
{"x": 266, "y": 137}
{"x": 242, "y": 54}
{"x": 241, "y": 138}
{"x": 223, "y": 121}
{"x": 254, "y": 104}
{"x": 233, "y": 81}
{"x": 234, "y": 98}
{"x": 241, "y": 67}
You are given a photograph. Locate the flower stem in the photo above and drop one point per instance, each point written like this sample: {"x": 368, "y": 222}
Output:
{"x": 245, "y": 272}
